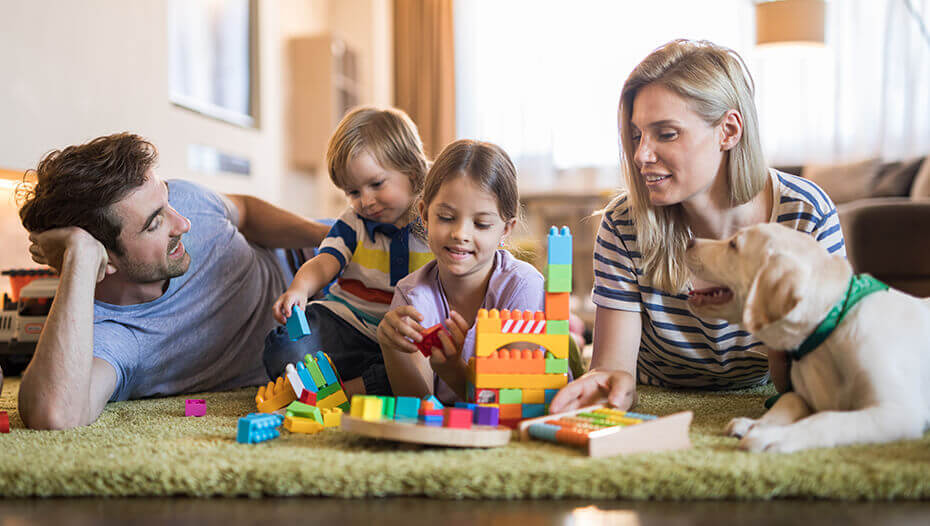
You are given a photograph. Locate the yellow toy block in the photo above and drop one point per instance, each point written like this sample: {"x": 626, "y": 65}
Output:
{"x": 274, "y": 396}
{"x": 519, "y": 381}
{"x": 366, "y": 407}
{"x": 337, "y": 398}
{"x": 332, "y": 417}
{"x": 487, "y": 343}
{"x": 488, "y": 321}
{"x": 534, "y": 396}
{"x": 295, "y": 424}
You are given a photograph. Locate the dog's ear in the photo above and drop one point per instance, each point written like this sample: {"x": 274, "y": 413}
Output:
{"x": 775, "y": 291}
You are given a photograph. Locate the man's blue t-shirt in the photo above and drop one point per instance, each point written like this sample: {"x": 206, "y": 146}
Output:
{"x": 206, "y": 332}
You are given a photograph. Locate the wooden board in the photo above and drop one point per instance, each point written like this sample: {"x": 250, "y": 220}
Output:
{"x": 477, "y": 436}
{"x": 666, "y": 433}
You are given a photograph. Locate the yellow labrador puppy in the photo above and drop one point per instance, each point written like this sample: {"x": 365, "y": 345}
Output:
{"x": 860, "y": 352}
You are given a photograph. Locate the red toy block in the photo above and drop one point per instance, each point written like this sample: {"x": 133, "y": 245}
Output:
{"x": 308, "y": 397}
{"x": 4, "y": 422}
{"x": 430, "y": 340}
{"x": 557, "y": 305}
{"x": 458, "y": 418}
{"x": 512, "y": 423}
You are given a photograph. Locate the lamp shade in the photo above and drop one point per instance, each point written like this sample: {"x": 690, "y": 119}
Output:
{"x": 781, "y": 21}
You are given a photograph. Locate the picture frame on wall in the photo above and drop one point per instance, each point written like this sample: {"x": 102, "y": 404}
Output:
{"x": 212, "y": 58}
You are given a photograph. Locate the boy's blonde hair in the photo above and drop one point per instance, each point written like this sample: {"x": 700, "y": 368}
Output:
{"x": 713, "y": 80}
{"x": 389, "y": 135}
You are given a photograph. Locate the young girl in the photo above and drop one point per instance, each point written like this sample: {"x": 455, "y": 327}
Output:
{"x": 469, "y": 206}
{"x": 693, "y": 165}
{"x": 376, "y": 158}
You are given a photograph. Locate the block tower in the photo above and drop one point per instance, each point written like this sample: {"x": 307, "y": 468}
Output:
{"x": 521, "y": 383}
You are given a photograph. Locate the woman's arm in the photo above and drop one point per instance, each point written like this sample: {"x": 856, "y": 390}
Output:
{"x": 612, "y": 374}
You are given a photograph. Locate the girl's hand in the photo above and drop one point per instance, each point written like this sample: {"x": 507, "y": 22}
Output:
{"x": 283, "y": 307}
{"x": 453, "y": 340}
{"x": 618, "y": 387}
{"x": 399, "y": 326}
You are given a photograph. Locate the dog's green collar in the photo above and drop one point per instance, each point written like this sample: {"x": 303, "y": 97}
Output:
{"x": 860, "y": 286}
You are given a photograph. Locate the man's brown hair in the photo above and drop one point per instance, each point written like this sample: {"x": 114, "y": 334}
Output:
{"x": 77, "y": 185}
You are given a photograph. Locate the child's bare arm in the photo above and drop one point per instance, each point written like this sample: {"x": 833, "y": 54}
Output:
{"x": 447, "y": 360}
{"x": 310, "y": 278}
{"x": 408, "y": 370}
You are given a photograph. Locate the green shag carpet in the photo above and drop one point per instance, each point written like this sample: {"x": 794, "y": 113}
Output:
{"x": 149, "y": 448}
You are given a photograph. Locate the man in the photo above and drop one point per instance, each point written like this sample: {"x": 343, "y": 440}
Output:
{"x": 166, "y": 287}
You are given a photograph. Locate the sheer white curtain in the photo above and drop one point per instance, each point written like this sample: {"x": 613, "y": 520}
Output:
{"x": 543, "y": 78}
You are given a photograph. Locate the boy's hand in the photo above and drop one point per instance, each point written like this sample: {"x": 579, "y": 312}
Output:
{"x": 284, "y": 305}
{"x": 453, "y": 339}
{"x": 618, "y": 387}
{"x": 399, "y": 326}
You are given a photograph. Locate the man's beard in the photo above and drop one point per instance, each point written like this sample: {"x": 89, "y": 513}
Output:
{"x": 147, "y": 273}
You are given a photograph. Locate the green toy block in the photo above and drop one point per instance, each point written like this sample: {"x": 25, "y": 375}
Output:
{"x": 556, "y": 365}
{"x": 510, "y": 396}
{"x": 314, "y": 371}
{"x": 387, "y": 407}
{"x": 556, "y": 326}
{"x": 302, "y": 410}
{"x": 328, "y": 390}
{"x": 558, "y": 278}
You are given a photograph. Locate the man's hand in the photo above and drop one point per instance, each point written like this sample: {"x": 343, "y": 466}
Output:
{"x": 50, "y": 247}
{"x": 618, "y": 387}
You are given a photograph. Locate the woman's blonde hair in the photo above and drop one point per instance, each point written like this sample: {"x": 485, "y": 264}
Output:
{"x": 389, "y": 135}
{"x": 713, "y": 80}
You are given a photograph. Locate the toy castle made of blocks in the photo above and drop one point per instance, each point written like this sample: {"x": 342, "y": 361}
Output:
{"x": 522, "y": 382}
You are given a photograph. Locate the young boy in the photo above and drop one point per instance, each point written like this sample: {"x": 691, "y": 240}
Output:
{"x": 376, "y": 158}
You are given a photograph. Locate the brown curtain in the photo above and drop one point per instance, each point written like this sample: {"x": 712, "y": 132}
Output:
{"x": 424, "y": 69}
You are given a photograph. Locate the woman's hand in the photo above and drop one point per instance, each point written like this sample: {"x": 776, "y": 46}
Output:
{"x": 618, "y": 387}
{"x": 285, "y": 303}
{"x": 399, "y": 326}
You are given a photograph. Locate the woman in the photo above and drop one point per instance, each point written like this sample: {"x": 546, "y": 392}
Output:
{"x": 693, "y": 166}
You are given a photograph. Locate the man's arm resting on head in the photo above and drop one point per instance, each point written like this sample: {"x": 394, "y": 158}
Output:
{"x": 269, "y": 226}
{"x": 64, "y": 385}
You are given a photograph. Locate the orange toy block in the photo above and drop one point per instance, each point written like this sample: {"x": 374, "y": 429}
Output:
{"x": 274, "y": 396}
{"x": 506, "y": 361}
{"x": 557, "y": 305}
{"x": 488, "y": 343}
{"x": 519, "y": 381}
{"x": 488, "y": 321}
{"x": 511, "y": 411}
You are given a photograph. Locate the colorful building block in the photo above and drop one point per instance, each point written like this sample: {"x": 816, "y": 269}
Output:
{"x": 557, "y": 304}
{"x": 487, "y": 416}
{"x": 407, "y": 407}
{"x": 314, "y": 369}
{"x": 534, "y": 396}
{"x": 302, "y": 410}
{"x": 305, "y": 378}
{"x": 274, "y": 396}
{"x": 326, "y": 368}
{"x": 487, "y": 343}
{"x": 387, "y": 407}
{"x": 308, "y": 397}
{"x": 258, "y": 427}
{"x": 560, "y": 246}
{"x": 533, "y": 410}
{"x": 4, "y": 422}
{"x": 520, "y": 381}
{"x": 430, "y": 340}
{"x": 556, "y": 365}
{"x": 297, "y": 326}
{"x": 510, "y": 396}
{"x": 332, "y": 417}
{"x": 457, "y": 417}
{"x": 195, "y": 407}
{"x": 505, "y": 361}
{"x": 485, "y": 396}
{"x": 296, "y": 424}
{"x": 511, "y": 411}
{"x": 325, "y": 392}
{"x": 558, "y": 278}
{"x": 433, "y": 400}
{"x": 488, "y": 321}
{"x": 293, "y": 378}
{"x": 337, "y": 399}
{"x": 557, "y": 327}
{"x": 550, "y": 394}
{"x": 368, "y": 408}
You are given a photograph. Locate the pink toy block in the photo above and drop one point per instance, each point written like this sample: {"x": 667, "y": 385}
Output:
{"x": 308, "y": 397}
{"x": 195, "y": 407}
{"x": 458, "y": 418}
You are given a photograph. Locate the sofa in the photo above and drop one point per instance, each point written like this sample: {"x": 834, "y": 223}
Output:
{"x": 884, "y": 210}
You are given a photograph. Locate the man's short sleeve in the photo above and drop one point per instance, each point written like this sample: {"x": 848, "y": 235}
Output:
{"x": 118, "y": 346}
{"x": 616, "y": 281}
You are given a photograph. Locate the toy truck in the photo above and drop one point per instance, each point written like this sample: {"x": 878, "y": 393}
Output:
{"x": 23, "y": 316}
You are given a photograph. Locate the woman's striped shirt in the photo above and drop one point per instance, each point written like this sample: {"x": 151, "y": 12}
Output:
{"x": 678, "y": 349}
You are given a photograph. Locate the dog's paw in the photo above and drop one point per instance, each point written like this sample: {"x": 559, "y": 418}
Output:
{"x": 738, "y": 427}
{"x": 770, "y": 439}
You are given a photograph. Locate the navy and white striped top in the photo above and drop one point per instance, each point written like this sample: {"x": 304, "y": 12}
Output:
{"x": 678, "y": 349}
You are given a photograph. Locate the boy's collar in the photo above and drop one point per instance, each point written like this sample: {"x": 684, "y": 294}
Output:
{"x": 373, "y": 227}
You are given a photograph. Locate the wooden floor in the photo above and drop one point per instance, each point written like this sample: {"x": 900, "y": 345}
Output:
{"x": 414, "y": 511}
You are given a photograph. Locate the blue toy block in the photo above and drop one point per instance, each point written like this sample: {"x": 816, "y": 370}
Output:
{"x": 305, "y": 377}
{"x": 466, "y": 405}
{"x": 534, "y": 410}
{"x": 297, "y": 326}
{"x": 407, "y": 407}
{"x": 560, "y": 246}
{"x": 329, "y": 375}
{"x": 436, "y": 403}
{"x": 258, "y": 427}
{"x": 550, "y": 394}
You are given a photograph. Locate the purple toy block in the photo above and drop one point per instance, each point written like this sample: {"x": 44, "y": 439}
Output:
{"x": 487, "y": 416}
{"x": 195, "y": 407}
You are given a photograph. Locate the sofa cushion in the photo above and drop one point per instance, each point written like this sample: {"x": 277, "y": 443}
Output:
{"x": 921, "y": 186}
{"x": 896, "y": 179}
{"x": 844, "y": 182}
